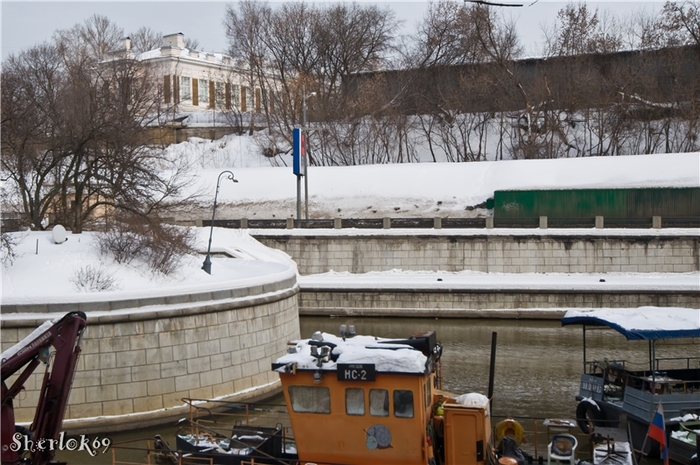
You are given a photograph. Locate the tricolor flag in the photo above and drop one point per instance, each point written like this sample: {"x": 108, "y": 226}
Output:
{"x": 657, "y": 431}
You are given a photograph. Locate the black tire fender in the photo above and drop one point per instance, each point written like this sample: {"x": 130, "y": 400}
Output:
{"x": 587, "y": 415}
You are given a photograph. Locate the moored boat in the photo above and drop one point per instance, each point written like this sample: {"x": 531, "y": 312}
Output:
{"x": 683, "y": 440}
{"x": 612, "y": 394}
{"x": 359, "y": 400}
{"x": 368, "y": 400}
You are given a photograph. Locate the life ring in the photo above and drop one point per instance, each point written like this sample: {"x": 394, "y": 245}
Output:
{"x": 510, "y": 428}
{"x": 587, "y": 416}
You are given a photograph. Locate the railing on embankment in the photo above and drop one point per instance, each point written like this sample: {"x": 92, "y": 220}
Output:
{"x": 600, "y": 222}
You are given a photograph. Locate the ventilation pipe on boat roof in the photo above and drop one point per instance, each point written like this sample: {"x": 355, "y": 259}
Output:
{"x": 320, "y": 353}
{"x": 347, "y": 331}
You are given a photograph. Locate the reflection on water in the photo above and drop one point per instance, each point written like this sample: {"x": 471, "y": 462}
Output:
{"x": 538, "y": 363}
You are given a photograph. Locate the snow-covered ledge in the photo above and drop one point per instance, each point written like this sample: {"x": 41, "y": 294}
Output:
{"x": 149, "y": 345}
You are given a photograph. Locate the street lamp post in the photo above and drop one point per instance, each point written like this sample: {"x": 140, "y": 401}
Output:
{"x": 207, "y": 261}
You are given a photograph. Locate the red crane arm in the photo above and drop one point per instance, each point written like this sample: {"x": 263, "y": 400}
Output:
{"x": 64, "y": 336}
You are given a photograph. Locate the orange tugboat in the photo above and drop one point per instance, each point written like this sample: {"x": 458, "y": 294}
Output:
{"x": 356, "y": 400}
{"x": 361, "y": 400}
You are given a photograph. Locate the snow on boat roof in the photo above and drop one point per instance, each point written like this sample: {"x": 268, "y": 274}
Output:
{"x": 386, "y": 356}
{"x": 646, "y": 323}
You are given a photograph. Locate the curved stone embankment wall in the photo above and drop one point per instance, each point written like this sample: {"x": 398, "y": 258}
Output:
{"x": 138, "y": 363}
{"x": 489, "y": 253}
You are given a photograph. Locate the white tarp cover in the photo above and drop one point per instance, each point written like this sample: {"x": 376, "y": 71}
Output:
{"x": 646, "y": 323}
{"x": 386, "y": 356}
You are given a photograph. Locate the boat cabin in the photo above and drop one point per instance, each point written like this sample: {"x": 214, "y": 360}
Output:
{"x": 367, "y": 400}
{"x": 611, "y": 392}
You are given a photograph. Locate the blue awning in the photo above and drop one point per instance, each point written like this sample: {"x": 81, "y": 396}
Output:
{"x": 645, "y": 323}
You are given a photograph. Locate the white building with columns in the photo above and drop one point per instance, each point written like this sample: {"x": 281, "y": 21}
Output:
{"x": 194, "y": 81}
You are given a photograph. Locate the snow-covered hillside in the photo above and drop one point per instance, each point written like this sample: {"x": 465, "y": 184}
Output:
{"x": 408, "y": 190}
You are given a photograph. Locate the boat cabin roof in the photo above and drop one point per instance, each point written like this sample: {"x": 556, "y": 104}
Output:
{"x": 387, "y": 355}
{"x": 645, "y": 323}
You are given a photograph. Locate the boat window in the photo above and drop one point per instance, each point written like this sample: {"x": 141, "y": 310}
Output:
{"x": 403, "y": 404}
{"x": 379, "y": 402}
{"x": 310, "y": 399}
{"x": 355, "y": 401}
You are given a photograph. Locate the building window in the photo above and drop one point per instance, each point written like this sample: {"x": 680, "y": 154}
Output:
{"x": 271, "y": 104}
{"x": 186, "y": 88}
{"x": 310, "y": 399}
{"x": 236, "y": 96}
{"x": 221, "y": 95}
{"x": 166, "y": 89}
{"x": 355, "y": 401}
{"x": 379, "y": 402}
{"x": 216, "y": 97}
{"x": 249, "y": 100}
{"x": 403, "y": 404}
{"x": 203, "y": 92}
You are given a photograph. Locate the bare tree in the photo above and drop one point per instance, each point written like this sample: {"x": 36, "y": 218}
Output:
{"x": 191, "y": 44}
{"x": 297, "y": 49}
{"x": 73, "y": 136}
{"x": 244, "y": 29}
{"x": 93, "y": 39}
{"x": 31, "y": 157}
{"x": 464, "y": 56}
{"x": 680, "y": 23}
{"x": 351, "y": 39}
{"x": 145, "y": 39}
{"x": 576, "y": 31}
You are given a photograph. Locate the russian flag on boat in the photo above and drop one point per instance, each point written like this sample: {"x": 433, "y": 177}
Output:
{"x": 657, "y": 432}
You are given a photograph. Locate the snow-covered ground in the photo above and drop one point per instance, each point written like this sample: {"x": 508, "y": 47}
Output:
{"x": 409, "y": 190}
{"x": 46, "y": 272}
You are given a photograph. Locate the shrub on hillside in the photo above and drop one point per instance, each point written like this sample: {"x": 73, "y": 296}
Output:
{"x": 90, "y": 279}
{"x": 159, "y": 245}
{"x": 8, "y": 243}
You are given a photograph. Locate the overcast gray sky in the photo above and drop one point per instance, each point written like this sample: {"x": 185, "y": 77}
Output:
{"x": 28, "y": 23}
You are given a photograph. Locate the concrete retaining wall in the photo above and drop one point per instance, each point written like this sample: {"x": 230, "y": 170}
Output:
{"x": 495, "y": 253}
{"x": 136, "y": 366}
{"x": 480, "y": 304}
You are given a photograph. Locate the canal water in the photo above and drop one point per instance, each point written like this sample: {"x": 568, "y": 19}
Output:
{"x": 537, "y": 363}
